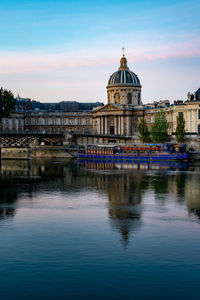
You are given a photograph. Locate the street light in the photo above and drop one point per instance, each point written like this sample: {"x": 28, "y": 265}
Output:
{"x": 27, "y": 131}
{"x": 27, "y": 145}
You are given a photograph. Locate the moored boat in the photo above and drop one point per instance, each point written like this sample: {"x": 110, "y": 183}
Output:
{"x": 148, "y": 152}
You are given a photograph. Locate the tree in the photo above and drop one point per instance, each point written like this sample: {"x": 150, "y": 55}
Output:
{"x": 7, "y": 103}
{"x": 159, "y": 127}
{"x": 180, "y": 128}
{"x": 143, "y": 130}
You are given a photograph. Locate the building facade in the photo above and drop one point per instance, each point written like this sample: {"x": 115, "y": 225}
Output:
{"x": 116, "y": 122}
{"x": 190, "y": 109}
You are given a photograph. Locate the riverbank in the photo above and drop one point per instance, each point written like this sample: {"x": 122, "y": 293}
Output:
{"x": 37, "y": 152}
{"x": 34, "y": 152}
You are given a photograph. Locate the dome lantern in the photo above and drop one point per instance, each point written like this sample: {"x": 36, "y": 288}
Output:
{"x": 123, "y": 63}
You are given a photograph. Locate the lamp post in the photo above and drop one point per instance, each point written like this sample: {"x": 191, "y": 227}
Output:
{"x": 27, "y": 146}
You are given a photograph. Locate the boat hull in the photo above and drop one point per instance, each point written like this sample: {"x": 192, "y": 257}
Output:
{"x": 170, "y": 156}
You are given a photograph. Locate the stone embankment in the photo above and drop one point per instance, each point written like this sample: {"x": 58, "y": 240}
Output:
{"x": 34, "y": 152}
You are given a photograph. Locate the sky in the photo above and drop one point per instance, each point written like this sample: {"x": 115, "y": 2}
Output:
{"x": 66, "y": 50}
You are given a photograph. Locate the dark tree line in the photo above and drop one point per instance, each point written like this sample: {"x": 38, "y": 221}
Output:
{"x": 7, "y": 103}
{"x": 159, "y": 129}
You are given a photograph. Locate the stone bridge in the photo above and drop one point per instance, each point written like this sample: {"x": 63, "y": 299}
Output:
{"x": 30, "y": 139}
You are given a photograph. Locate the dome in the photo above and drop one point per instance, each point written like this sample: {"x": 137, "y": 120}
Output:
{"x": 124, "y": 76}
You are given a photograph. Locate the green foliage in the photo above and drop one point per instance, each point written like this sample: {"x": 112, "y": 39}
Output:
{"x": 180, "y": 128}
{"x": 159, "y": 128}
{"x": 7, "y": 103}
{"x": 143, "y": 130}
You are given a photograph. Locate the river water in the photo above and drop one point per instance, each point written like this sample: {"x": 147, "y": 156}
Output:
{"x": 92, "y": 230}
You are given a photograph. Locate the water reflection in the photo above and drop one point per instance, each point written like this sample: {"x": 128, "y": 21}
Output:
{"x": 192, "y": 195}
{"x": 137, "y": 165}
{"x": 8, "y": 196}
{"x": 64, "y": 227}
{"x": 124, "y": 185}
{"x": 125, "y": 195}
{"x": 125, "y": 191}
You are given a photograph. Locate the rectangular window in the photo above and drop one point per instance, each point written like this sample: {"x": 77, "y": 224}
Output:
{"x": 87, "y": 121}
{"x": 62, "y": 121}
{"x": 79, "y": 121}
{"x": 46, "y": 121}
{"x": 54, "y": 121}
{"x": 148, "y": 119}
{"x": 180, "y": 113}
{"x": 199, "y": 114}
{"x": 71, "y": 121}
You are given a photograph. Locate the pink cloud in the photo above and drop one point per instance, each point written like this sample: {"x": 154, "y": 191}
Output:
{"x": 19, "y": 62}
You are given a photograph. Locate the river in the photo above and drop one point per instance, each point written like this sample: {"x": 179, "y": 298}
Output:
{"x": 88, "y": 230}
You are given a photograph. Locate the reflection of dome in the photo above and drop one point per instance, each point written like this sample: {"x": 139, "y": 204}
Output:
{"x": 124, "y": 76}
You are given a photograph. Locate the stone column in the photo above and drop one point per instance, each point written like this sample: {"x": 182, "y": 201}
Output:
{"x": 118, "y": 124}
{"x": 106, "y": 124}
{"x": 122, "y": 125}
{"x": 115, "y": 124}
{"x": 127, "y": 126}
{"x": 98, "y": 126}
{"x": 101, "y": 125}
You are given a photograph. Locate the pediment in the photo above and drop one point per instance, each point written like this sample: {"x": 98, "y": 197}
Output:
{"x": 108, "y": 107}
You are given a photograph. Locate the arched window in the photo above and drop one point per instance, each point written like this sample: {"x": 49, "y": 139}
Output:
{"x": 129, "y": 98}
{"x": 117, "y": 98}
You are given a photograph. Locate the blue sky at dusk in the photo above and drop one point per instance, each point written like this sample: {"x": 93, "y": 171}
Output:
{"x": 64, "y": 50}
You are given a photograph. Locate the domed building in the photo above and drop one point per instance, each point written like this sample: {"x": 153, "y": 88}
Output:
{"x": 124, "y": 86}
{"x": 117, "y": 122}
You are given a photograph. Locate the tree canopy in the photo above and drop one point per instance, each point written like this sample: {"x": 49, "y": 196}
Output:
{"x": 143, "y": 130}
{"x": 159, "y": 128}
{"x": 180, "y": 128}
{"x": 7, "y": 103}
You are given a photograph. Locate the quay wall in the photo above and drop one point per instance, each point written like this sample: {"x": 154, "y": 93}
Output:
{"x": 34, "y": 152}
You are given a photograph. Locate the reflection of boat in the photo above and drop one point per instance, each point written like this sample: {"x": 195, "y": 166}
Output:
{"x": 149, "y": 152}
{"x": 135, "y": 165}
